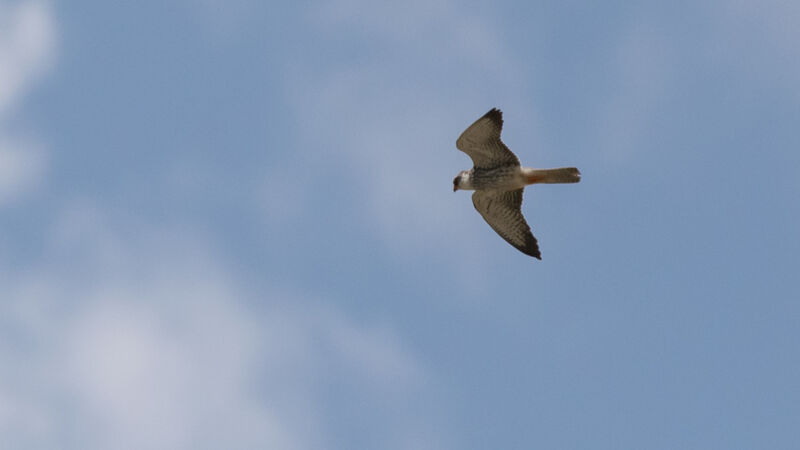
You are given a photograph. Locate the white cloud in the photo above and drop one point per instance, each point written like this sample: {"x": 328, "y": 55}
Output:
{"x": 134, "y": 337}
{"x": 27, "y": 44}
{"x": 26, "y": 48}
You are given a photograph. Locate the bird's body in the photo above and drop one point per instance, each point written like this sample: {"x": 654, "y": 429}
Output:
{"x": 503, "y": 177}
{"x": 514, "y": 177}
{"x": 498, "y": 180}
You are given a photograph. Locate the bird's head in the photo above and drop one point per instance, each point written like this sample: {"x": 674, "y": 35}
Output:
{"x": 462, "y": 181}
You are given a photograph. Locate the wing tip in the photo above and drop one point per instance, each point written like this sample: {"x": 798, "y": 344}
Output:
{"x": 496, "y": 116}
{"x": 531, "y": 247}
{"x": 532, "y": 251}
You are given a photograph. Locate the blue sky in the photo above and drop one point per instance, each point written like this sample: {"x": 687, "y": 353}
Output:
{"x": 230, "y": 224}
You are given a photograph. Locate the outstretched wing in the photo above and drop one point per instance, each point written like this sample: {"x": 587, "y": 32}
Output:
{"x": 502, "y": 210}
{"x": 481, "y": 141}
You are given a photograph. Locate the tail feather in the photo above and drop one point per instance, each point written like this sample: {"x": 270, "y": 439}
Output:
{"x": 560, "y": 175}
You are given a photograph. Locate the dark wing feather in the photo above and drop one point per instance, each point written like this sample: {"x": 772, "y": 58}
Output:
{"x": 502, "y": 210}
{"x": 481, "y": 141}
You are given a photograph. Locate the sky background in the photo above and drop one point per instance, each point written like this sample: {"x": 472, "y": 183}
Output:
{"x": 230, "y": 224}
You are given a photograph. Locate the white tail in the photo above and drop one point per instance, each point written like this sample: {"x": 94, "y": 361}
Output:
{"x": 560, "y": 175}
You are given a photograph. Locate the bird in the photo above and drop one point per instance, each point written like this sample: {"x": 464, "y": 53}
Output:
{"x": 498, "y": 180}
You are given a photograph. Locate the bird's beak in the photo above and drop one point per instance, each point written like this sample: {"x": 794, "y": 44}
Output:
{"x": 455, "y": 188}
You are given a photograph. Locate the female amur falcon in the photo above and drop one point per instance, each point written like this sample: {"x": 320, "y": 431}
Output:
{"x": 498, "y": 181}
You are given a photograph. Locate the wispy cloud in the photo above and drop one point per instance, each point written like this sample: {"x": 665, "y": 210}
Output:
{"x": 644, "y": 67}
{"x": 27, "y": 50}
{"x": 22, "y": 166}
{"x": 392, "y": 128}
{"x": 27, "y": 40}
{"x": 131, "y": 336}
{"x": 439, "y": 29}
{"x": 223, "y": 18}
{"x": 761, "y": 38}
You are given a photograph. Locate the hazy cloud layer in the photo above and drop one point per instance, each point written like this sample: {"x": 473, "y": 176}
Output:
{"x": 259, "y": 247}
{"x": 136, "y": 337}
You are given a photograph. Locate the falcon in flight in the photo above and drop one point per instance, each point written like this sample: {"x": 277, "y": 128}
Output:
{"x": 498, "y": 181}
